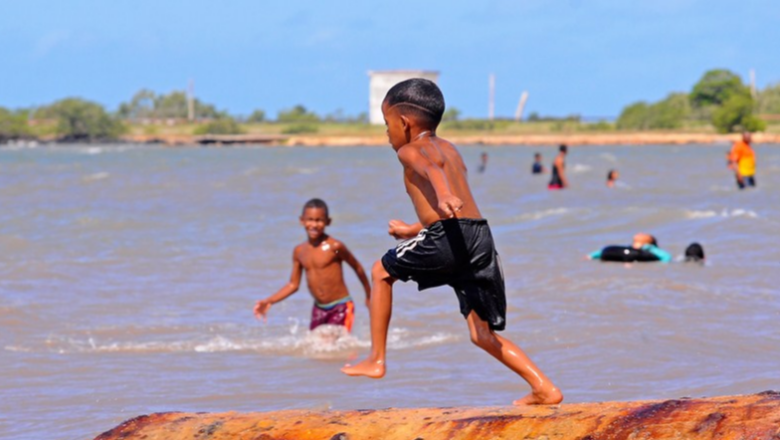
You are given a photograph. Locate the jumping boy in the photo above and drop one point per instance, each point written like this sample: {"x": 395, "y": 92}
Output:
{"x": 451, "y": 244}
{"x": 321, "y": 257}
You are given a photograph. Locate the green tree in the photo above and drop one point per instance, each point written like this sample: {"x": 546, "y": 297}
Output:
{"x": 223, "y": 125}
{"x": 716, "y": 87}
{"x": 256, "y": 117}
{"x": 452, "y": 114}
{"x": 147, "y": 104}
{"x": 633, "y": 117}
{"x": 297, "y": 114}
{"x": 141, "y": 106}
{"x": 13, "y": 125}
{"x": 736, "y": 114}
{"x": 81, "y": 120}
{"x": 769, "y": 100}
{"x": 670, "y": 113}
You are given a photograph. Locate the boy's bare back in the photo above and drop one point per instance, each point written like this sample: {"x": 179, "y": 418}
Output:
{"x": 432, "y": 151}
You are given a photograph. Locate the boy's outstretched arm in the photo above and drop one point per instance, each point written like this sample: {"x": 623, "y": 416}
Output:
{"x": 264, "y": 305}
{"x": 402, "y": 230}
{"x": 350, "y": 259}
{"x": 449, "y": 204}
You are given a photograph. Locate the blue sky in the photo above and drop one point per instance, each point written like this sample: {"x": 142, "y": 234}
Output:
{"x": 589, "y": 57}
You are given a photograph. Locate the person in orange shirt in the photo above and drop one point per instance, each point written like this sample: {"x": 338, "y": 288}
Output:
{"x": 743, "y": 162}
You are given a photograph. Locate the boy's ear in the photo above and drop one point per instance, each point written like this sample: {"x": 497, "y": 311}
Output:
{"x": 327, "y": 221}
{"x": 406, "y": 122}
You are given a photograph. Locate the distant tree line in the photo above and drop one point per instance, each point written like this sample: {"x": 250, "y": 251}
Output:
{"x": 719, "y": 98}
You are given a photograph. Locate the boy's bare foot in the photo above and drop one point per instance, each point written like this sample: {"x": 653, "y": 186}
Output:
{"x": 546, "y": 397}
{"x": 368, "y": 368}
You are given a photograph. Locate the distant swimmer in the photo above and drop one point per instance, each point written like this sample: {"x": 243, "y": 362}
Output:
{"x": 450, "y": 244}
{"x": 537, "y": 167}
{"x": 612, "y": 177}
{"x": 558, "y": 180}
{"x": 321, "y": 257}
{"x": 483, "y": 160}
{"x": 644, "y": 248}
{"x": 743, "y": 162}
{"x": 694, "y": 253}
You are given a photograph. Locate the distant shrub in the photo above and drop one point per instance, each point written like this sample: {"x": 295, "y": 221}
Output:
{"x": 300, "y": 129}
{"x": 736, "y": 114}
{"x": 669, "y": 113}
{"x": 257, "y": 116}
{"x": 80, "y": 120}
{"x": 297, "y": 114}
{"x": 224, "y": 125}
{"x": 13, "y": 125}
{"x": 470, "y": 124}
{"x": 598, "y": 126}
{"x": 769, "y": 100}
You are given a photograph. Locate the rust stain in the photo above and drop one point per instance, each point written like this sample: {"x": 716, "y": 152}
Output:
{"x": 209, "y": 430}
{"x": 710, "y": 423}
{"x": 638, "y": 420}
{"x": 131, "y": 426}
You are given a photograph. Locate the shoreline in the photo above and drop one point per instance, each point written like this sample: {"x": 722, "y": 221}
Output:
{"x": 577, "y": 139}
{"x": 486, "y": 139}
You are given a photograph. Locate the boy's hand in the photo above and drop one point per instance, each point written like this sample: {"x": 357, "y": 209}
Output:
{"x": 261, "y": 309}
{"x": 401, "y": 230}
{"x": 450, "y": 205}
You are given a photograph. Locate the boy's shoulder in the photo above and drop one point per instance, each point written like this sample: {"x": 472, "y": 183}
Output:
{"x": 420, "y": 148}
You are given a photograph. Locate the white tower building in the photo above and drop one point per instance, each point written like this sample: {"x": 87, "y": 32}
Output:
{"x": 382, "y": 80}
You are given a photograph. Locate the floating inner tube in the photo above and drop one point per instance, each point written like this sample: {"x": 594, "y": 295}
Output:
{"x": 626, "y": 254}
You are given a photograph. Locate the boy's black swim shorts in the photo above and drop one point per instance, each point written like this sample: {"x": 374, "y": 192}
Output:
{"x": 459, "y": 253}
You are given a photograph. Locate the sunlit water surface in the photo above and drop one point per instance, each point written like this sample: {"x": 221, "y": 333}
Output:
{"x": 128, "y": 274}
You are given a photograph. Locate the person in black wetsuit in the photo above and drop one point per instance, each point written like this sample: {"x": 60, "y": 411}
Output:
{"x": 558, "y": 180}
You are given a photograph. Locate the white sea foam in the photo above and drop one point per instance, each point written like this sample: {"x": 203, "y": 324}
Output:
{"x": 324, "y": 342}
{"x": 725, "y": 213}
{"x": 92, "y": 150}
{"x": 609, "y": 157}
{"x": 96, "y": 176}
{"x": 581, "y": 168}
{"x": 301, "y": 170}
{"x": 536, "y": 215}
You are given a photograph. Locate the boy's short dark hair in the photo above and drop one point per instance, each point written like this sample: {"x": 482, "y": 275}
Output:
{"x": 318, "y": 204}
{"x": 694, "y": 252}
{"x": 418, "y": 97}
{"x": 563, "y": 148}
{"x": 609, "y": 174}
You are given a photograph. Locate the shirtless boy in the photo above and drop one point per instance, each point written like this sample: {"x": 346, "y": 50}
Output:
{"x": 558, "y": 179}
{"x": 321, "y": 257}
{"x": 450, "y": 245}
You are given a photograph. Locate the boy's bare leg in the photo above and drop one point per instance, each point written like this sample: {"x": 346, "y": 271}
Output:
{"x": 380, "y": 309}
{"x": 543, "y": 391}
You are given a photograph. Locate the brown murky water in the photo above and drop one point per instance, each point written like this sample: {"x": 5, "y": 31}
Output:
{"x": 127, "y": 277}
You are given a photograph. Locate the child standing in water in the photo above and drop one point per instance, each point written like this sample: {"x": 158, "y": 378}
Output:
{"x": 450, "y": 245}
{"x": 320, "y": 256}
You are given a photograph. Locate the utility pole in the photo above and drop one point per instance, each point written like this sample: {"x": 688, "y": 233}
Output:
{"x": 753, "y": 82}
{"x": 521, "y": 106}
{"x": 191, "y": 101}
{"x": 491, "y": 96}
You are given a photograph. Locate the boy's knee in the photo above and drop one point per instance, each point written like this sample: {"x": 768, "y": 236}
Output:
{"x": 482, "y": 336}
{"x": 479, "y": 336}
{"x": 378, "y": 271}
